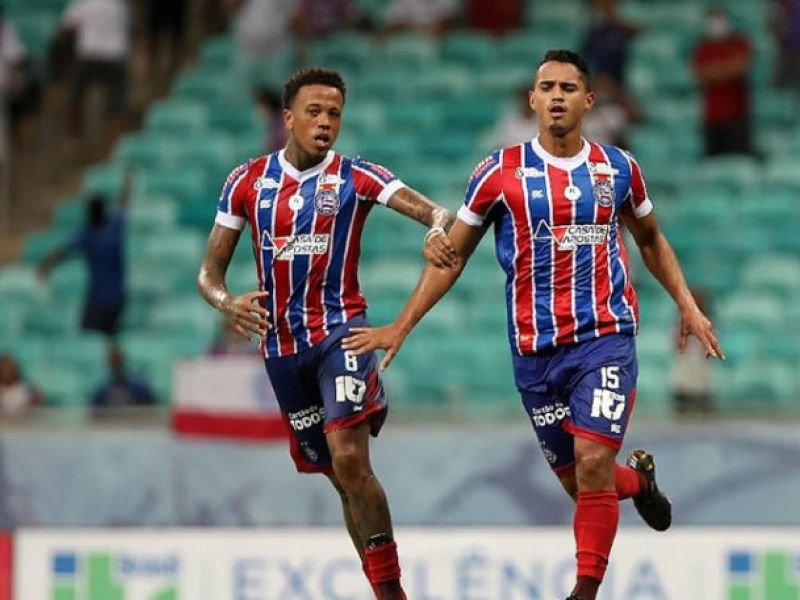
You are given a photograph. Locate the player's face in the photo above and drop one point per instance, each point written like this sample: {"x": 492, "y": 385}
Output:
{"x": 560, "y": 98}
{"x": 314, "y": 118}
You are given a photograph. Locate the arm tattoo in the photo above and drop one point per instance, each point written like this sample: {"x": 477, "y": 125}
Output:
{"x": 413, "y": 204}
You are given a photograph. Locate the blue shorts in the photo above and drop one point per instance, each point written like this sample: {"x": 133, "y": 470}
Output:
{"x": 323, "y": 389}
{"x": 585, "y": 390}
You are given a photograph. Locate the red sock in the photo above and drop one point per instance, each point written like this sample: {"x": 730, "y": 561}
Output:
{"x": 595, "y": 526}
{"x": 374, "y": 587}
{"x": 383, "y": 566}
{"x": 629, "y": 481}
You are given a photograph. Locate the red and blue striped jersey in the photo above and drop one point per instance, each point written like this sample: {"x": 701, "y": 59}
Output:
{"x": 306, "y": 233}
{"x": 559, "y": 240}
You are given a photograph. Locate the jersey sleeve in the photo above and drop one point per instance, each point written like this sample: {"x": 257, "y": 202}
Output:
{"x": 484, "y": 190}
{"x": 230, "y": 209}
{"x": 637, "y": 195}
{"x": 374, "y": 182}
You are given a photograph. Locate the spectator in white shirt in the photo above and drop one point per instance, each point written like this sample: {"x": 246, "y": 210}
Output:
{"x": 102, "y": 31}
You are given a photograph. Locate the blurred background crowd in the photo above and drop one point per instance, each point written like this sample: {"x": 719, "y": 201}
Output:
{"x": 121, "y": 120}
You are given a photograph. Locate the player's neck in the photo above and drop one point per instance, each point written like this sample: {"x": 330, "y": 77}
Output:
{"x": 302, "y": 161}
{"x": 564, "y": 146}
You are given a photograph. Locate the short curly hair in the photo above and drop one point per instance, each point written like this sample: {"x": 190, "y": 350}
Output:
{"x": 311, "y": 76}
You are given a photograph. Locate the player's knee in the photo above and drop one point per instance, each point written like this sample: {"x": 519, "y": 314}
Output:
{"x": 350, "y": 465}
{"x": 594, "y": 470}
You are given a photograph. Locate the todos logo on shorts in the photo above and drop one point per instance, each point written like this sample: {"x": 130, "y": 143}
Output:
{"x": 308, "y": 417}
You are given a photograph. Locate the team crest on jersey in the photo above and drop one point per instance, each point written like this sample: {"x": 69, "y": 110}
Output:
{"x": 326, "y": 201}
{"x": 569, "y": 237}
{"x": 603, "y": 191}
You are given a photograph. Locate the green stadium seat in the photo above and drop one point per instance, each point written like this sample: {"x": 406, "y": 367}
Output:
{"x": 183, "y": 185}
{"x": 39, "y": 243}
{"x": 470, "y": 49}
{"x": 775, "y": 273}
{"x": 70, "y": 214}
{"x": 411, "y": 49}
{"x": 187, "y": 315}
{"x": 61, "y": 385}
{"x": 735, "y": 174}
{"x": 346, "y": 50}
{"x": 154, "y": 215}
{"x": 472, "y": 114}
{"x": 147, "y": 149}
{"x": 203, "y": 85}
{"x": 105, "y": 179}
{"x": 421, "y": 117}
{"x": 782, "y": 176}
{"x": 751, "y": 309}
{"x": 218, "y": 53}
{"x": 85, "y": 352}
{"x": 178, "y": 116}
{"x": 389, "y": 149}
{"x": 19, "y": 283}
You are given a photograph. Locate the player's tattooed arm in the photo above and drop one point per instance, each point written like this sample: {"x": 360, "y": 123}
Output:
{"x": 244, "y": 313}
{"x": 438, "y": 247}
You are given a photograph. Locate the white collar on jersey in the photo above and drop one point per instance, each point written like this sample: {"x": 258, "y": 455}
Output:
{"x": 565, "y": 164}
{"x": 292, "y": 171}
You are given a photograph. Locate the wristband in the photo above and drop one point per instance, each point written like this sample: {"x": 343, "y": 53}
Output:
{"x": 432, "y": 232}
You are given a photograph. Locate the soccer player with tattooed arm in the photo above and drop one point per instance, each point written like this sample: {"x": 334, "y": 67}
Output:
{"x": 306, "y": 207}
{"x": 557, "y": 205}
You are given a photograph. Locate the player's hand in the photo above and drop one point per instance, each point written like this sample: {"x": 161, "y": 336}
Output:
{"x": 246, "y": 315}
{"x": 439, "y": 250}
{"x": 694, "y": 322}
{"x": 366, "y": 339}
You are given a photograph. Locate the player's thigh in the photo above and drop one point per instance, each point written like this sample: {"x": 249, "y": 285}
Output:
{"x": 549, "y": 415}
{"x": 303, "y": 408}
{"x": 539, "y": 380}
{"x": 351, "y": 385}
{"x": 602, "y": 398}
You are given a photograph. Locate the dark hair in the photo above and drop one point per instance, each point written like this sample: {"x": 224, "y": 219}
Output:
{"x": 569, "y": 57}
{"x": 268, "y": 98}
{"x": 311, "y": 76}
{"x": 96, "y": 211}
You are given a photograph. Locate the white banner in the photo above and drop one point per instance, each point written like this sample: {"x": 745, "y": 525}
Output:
{"x": 438, "y": 564}
{"x": 221, "y": 384}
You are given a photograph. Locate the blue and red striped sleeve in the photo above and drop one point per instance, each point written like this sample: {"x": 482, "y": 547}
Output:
{"x": 639, "y": 200}
{"x": 374, "y": 182}
{"x": 484, "y": 190}
{"x": 231, "y": 207}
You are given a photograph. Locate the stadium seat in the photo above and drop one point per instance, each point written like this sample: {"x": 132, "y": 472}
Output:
{"x": 147, "y": 150}
{"x": 774, "y": 273}
{"x": 70, "y": 214}
{"x": 39, "y": 243}
{"x": 178, "y": 117}
{"x": 782, "y": 176}
{"x": 62, "y": 385}
{"x": 470, "y": 49}
{"x": 409, "y": 49}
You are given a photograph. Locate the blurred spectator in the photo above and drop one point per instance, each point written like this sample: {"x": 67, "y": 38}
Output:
{"x": 692, "y": 385}
{"x": 263, "y": 28}
{"x": 786, "y": 28}
{"x": 605, "y": 43}
{"x": 319, "y": 18}
{"x": 101, "y": 243}
{"x": 607, "y": 122}
{"x": 434, "y": 16}
{"x": 102, "y": 30}
{"x": 165, "y": 33}
{"x": 229, "y": 342}
{"x": 516, "y": 125}
{"x": 496, "y": 17}
{"x": 12, "y": 80}
{"x": 121, "y": 389}
{"x": 270, "y": 110}
{"x": 721, "y": 64}
{"x": 16, "y": 395}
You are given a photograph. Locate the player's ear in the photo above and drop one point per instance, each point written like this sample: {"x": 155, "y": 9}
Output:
{"x": 288, "y": 119}
{"x": 590, "y": 99}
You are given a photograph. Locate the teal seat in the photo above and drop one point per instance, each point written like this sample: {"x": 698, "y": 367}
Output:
{"x": 203, "y": 85}
{"x": 413, "y": 49}
{"x": 183, "y": 185}
{"x": 184, "y": 315}
{"x": 153, "y": 215}
{"x": 775, "y": 273}
{"x": 61, "y": 385}
{"x": 19, "y": 283}
{"x": 39, "y": 243}
{"x": 70, "y": 214}
{"x": 213, "y": 153}
{"x": 471, "y": 49}
{"x": 147, "y": 149}
{"x": 389, "y": 149}
{"x": 178, "y": 116}
{"x": 751, "y": 309}
{"x": 83, "y": 351}
{"x": 472, "y": 114}
{"x": 182, "y": 246}
{"x": 105, "y": 179}
{"x": 348, "y": 50}
{"x": 736, "y": 174}
{"x": 218, "y": 53}
{"x": 782, "y": 177}
{"x": 420, "y": 117}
